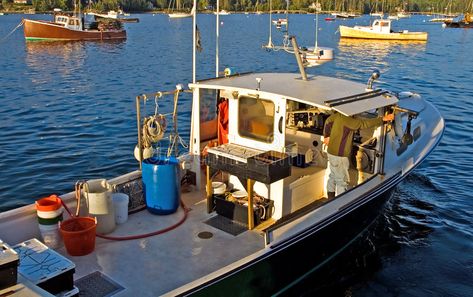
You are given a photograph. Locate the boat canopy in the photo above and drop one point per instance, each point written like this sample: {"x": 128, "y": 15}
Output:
{"x": 346, "y": 97}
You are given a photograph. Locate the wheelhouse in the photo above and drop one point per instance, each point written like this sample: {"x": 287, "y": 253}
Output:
{"x": 282, "y": 113}
{"x": 70, "y": 22}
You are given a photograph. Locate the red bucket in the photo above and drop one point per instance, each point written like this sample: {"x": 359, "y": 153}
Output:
{"x": 78, "y": 234}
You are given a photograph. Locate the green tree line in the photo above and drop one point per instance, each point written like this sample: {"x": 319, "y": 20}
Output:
{"x": 359, "y": 6}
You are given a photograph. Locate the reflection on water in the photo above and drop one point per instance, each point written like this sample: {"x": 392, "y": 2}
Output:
{"x": 356, "y": 57}
{"x": 377, "y": 48}
{"x": 68, "y": 56}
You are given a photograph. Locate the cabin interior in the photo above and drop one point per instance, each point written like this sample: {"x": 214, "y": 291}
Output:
{"x": 235, "y": 123}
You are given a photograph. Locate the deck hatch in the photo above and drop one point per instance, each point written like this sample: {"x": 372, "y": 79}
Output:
{"x": 97, "y": 284}
{"x": 226, "y": 225}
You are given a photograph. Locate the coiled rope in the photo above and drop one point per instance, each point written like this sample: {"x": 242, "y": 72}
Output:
{"x": 153, "y": 129}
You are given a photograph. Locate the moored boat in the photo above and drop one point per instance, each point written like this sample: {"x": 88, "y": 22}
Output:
{"x": 265, "y": 210}
{"x": 222, "y": 12}
{"x": 114, "y": 15}
{"x": 314, "y": 56}
{"x": 280, "y": 22}
{"x": 380, "y": 29}
{"x": 464, "y": 21}
{"x": 179, "y": 15}
{"x": 70, "y": 27}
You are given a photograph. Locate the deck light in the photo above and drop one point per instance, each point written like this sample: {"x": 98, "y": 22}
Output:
{"x": 374, "y": 76}
{"x": 258, "y": 81}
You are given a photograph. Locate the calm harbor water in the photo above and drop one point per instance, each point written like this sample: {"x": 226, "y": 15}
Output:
{"x": 67, "y": 113}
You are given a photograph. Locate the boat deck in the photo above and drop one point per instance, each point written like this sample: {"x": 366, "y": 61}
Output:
{"x": 170, "y": 260}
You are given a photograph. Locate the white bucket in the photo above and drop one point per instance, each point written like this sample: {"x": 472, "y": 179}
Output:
{"x": 98, "y": 193}
{"x": 50, "y": 235}
{"x": 120, "y": 202}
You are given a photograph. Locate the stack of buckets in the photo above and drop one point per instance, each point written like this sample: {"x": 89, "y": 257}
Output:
{"x": 49, "y": 211}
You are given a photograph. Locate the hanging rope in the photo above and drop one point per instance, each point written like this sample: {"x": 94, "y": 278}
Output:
{"x": 153, "y": 129}
{"x": 8, "y": 35}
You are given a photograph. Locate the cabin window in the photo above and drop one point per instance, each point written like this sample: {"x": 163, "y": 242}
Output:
{"x": 208, "y": 114}
{"x": 256, "y": 118}
{"x": 71, "y": 22}
{"x": 384, "y": 24}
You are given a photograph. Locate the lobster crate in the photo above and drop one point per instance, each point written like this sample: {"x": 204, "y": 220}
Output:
{"x": 269, "y": 167}
{"x": 8, "y": 266}
{"x": 239, "y": 213}
{"x": 45, "y": 267}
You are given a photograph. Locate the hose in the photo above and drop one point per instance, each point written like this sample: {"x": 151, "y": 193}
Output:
{"x": 157, "y": 232}
{"x": 130, "y": 237}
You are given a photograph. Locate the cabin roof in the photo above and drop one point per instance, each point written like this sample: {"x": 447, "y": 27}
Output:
{"x": 317, "y": 90}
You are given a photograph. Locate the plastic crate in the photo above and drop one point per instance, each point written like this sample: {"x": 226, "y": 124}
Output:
{"x": 8, "y": 266}
{"x": 44, "y": 267}
{"x": 269, "y": 167}
{"x": 239, "y": 213}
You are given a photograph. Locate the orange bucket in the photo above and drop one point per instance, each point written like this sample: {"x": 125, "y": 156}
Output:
{"x": 78, "y": 234}
{"x": 50, "y": 203}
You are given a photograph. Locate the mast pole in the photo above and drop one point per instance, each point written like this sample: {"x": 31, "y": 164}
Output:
{"x": 270, "y": 42}
{"x": 217, "y": 38}
{"x": 317, "y": 8}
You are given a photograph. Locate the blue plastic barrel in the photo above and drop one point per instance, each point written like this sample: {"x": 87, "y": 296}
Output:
{"x": 161, "y": 184}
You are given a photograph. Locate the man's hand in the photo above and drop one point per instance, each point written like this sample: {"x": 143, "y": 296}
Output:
{"x": 388, "y": 117}
{"x": 326, "y": 140}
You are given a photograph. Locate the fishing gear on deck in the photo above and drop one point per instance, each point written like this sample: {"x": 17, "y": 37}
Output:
{"x": 151, "y": 129}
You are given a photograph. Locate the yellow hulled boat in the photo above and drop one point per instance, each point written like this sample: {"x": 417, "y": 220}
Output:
{"x": 380, "y": 29}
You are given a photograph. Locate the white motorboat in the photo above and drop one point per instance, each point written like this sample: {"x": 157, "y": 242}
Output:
{"x": 176, "y": 12}
{"x": 270, "y": 165}
{"x": 222, "y": 12}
